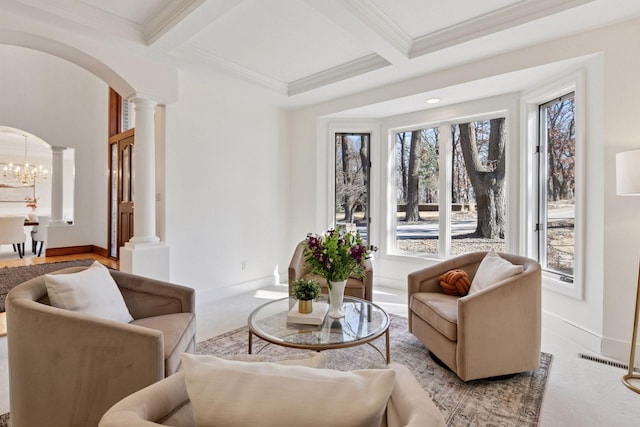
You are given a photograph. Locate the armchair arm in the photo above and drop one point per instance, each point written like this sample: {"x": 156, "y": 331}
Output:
{"x": 152, "y": 405}
{"x": 410, "y": 405}
{"x": 130, "y": 357}
{"x": 510, "y": 336}
{"x": 297, "y": 266}
{"x": 147, "y": 297}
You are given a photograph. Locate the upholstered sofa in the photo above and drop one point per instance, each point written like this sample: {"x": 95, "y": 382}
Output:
{"x": 167, "y": 403}
{"x": 67, "y": 368}
{"x": 356, "y": 287}
{"x": 493, "y": 332}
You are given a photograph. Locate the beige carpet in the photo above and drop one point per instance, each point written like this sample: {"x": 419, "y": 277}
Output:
{"x": 510, "y": 402}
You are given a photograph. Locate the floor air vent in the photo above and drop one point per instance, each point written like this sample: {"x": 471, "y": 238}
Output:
{"x": 606, "y": 362}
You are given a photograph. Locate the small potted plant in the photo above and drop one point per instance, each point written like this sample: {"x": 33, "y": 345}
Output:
{"x": 305, "y": 291}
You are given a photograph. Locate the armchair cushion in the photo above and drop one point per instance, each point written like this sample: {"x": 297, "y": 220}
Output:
{"x": 356, "y": 398}
{"x": 493, "y": 269}
{"x": 438, "y": 310}
{"x": 178, "y": 330}
{"x": 92, "y": 291}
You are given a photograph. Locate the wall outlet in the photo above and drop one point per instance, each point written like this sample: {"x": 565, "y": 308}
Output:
{"x": 244, "y": 264}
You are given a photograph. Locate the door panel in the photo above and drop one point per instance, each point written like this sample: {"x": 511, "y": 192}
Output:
{"x": 121, "y": 195}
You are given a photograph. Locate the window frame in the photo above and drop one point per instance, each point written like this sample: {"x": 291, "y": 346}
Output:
{"x": 531, "y": 175}
{"x": 328, "y": 128}
{"x": 445, "y": 179}
{"x": 368, "y": 185}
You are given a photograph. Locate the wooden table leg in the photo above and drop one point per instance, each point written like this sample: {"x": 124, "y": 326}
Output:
{"x": 250, "y": 341}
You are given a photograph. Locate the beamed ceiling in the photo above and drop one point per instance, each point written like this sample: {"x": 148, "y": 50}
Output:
{"x": 306, "y": 51}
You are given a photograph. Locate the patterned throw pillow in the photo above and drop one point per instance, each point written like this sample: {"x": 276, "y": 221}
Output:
{"x": 455, "y": 282}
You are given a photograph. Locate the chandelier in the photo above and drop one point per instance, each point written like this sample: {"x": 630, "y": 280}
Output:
{"x": 25, "y": 174}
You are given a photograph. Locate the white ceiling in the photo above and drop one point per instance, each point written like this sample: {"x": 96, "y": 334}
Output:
{"x": 307, "y": 51}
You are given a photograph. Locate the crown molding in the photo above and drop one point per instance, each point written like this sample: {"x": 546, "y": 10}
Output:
{"x": 235, "y": 69}
{"x": 506, "y": 17}
{"x": 167, "y": 17}
{"x": 378, "y": 21}
{"x": 341, "y": 72}
{"x": 82, "y": 14}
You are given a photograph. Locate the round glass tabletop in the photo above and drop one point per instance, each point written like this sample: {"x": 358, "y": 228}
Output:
{"x": 363, "y": 322}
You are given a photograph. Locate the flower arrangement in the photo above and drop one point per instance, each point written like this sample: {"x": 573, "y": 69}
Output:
{"x": 305, "y": 290}
{"x": 31, "y": 202}
{"x": 336, "y": 255}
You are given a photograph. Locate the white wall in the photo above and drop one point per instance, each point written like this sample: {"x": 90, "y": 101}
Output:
{"x": 602, "y": 319}
{"x": 65, "y": 106}
{"x": 227, "y": 186}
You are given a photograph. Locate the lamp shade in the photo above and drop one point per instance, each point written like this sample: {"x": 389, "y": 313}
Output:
{"x": 628, "y": 172}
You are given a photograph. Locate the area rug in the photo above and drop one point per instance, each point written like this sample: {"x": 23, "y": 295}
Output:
{"x": 512, "y": 402}
{"x": 12, "y": 276}
{"x": 515, "y": 401}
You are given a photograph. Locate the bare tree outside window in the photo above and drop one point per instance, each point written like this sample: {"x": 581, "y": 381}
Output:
{"x": 557, "y": 151}
{"x": 352, "y": 180}
{"x": 417, "y": 170}
{"x": 478, "y": 186}
{"x": 478, "y": 208}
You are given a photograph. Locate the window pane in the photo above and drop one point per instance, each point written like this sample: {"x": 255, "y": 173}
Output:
{"x": 478, "y": 210}
{"x": 557, "y": 186}
{"x": 417, "y": 191}
{"x": 352, "y": 182}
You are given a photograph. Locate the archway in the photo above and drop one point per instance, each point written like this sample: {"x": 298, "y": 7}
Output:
{"x": 17, "y": 147}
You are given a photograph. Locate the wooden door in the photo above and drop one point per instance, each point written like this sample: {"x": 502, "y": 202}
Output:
{"x": 121, "y": 155}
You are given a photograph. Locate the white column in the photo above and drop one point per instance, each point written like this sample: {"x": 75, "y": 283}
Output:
{"x": 144, "y": 254}
{"x": 57, "y": 186}
{"x": 144, "y": 175}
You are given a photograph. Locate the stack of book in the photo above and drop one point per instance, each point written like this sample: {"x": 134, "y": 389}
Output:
{"x": 316, "y": 317}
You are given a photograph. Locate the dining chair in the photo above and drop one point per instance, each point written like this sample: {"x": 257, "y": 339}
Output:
{"x": 39, "y": 234}
{"x": 12, "y": 232}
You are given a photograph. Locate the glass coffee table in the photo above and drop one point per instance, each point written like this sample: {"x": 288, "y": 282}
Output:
{"x": 363, "y": 322}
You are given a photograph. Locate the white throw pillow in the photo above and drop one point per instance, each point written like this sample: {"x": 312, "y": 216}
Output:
{"x": 312, "y": 359}
{"x": 92, "y": 291}
{"x": 493, "y": 269}
{"x": 233, "y": 393}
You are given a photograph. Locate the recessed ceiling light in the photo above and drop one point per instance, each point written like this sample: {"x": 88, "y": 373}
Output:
{"x": 433, "y": 100}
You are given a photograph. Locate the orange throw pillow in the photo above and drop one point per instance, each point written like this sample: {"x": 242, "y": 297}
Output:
{"x": 455, "y": 282}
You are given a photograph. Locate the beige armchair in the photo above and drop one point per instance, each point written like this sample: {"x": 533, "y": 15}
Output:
{"x": 493, "y": 332}
{"x": 167, "y": 403}
{"x": 67, "y": 368}
{"x": 356, "y": 287}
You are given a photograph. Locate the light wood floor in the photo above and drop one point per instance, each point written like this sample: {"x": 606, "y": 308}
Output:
{"x": 43, "y": 260}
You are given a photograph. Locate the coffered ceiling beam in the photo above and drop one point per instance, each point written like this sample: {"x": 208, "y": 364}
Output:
{"x": 498, "y": 20}
{"x": 173, "y": 25}
{"x": 368, "y": 25}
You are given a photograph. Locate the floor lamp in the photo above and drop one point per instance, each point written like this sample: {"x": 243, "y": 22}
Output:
{"x": 628, "y": 183}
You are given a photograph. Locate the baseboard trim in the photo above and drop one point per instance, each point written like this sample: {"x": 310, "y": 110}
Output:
{"x": 74, "y": 250}
{"x": 211, "y": 295}
{"x": 619, "y": 350}
{"x": 563, "y": 327}
{"x": 390, "y": 282}
{"x": 100, "y": 251}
